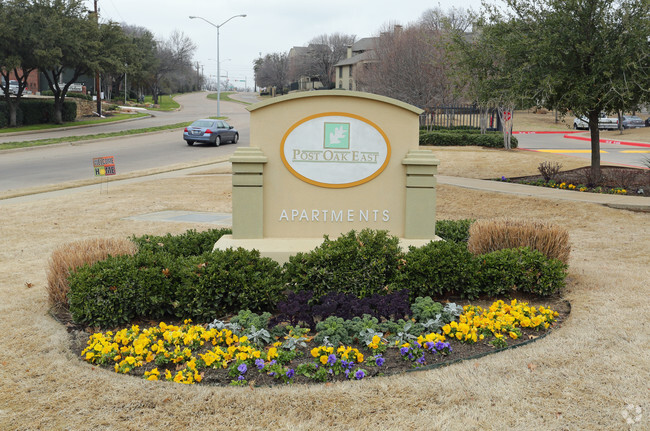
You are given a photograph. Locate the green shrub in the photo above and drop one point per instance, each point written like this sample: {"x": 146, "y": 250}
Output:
{"x": 168, "y": 281}
{"x": 425, "y": 308}
{"x": 37, "y": 111}
{"x": 468, "y": 129}
{"x": 152, "y": 285}
{"x": 332, "y": 331}
{"x": 122, "y": 288}
{"x": 401, "y": 331}
{"x": 226, "y": 281}
{"x": 191, "y": 243}
{"x": 360, "y": 264}
{"x": 4, "y": 114}
{"x": 520, "y": 269}
{"x": 336, "y": 330}
{"x": 247, "y": 319}
{"x": 454, "y": 230}
{"x": 440, "y": 268}
{"x": 464, "y": 138}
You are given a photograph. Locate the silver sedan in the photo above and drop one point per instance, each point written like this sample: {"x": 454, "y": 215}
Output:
{"x": 210, "y": 132}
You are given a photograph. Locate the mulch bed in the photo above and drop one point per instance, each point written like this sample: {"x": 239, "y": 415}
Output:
{"x": 636, "y": 181}
{"x": 394, "y": 364}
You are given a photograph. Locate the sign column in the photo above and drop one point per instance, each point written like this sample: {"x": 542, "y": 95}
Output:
{"x": 420, "y": 217}
{"x": 247, "y": 196}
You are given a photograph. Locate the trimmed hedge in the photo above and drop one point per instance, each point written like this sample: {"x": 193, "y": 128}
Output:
{"x": 521, "y": 269}
{"x": 361, "y": 264}
{"x": 170, "y": 281}
{"x": 33, "y": 111}
{"x": 470, "y": 129}
{"x": 454, "y": 230}
{"x": 191, "y": 243}
{"x": 4, "y": 114}
{"x": 159, "y": 285}
{"x": 464, "y": 138}
{"x": 440, "y": 268}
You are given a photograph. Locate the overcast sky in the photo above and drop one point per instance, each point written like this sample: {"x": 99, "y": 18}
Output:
{"x": 270, "y": 25}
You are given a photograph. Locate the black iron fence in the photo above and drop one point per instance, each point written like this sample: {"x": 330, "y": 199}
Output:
{"x": 458, "y": 116}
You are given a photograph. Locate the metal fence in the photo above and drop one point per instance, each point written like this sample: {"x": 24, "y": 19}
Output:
{"x": 447, "y": 117}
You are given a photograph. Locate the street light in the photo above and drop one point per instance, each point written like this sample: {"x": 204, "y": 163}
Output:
{"x": 218, "y": 66}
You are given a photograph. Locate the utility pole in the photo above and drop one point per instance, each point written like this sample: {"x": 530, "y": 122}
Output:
{"x": 198, "y": 76}
{"x": 97, "y": 89}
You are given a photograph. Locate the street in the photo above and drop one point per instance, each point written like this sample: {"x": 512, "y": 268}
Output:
{"x": 53, "y": 164}
{"x": 609, "y": 153}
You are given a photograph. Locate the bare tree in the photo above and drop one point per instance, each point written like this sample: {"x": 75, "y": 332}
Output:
{"x": 273, "y": 71}
{"x": 404, "y": 67}
{"x": 451, "y": 20}
{"x": 324, "y": 52}
{"x": 173, "y": 57}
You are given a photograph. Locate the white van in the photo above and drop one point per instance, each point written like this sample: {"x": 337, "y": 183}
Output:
{"x": 13, "y": 87}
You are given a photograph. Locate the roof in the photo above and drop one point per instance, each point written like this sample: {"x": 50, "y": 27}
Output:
{"x": 298, "y": 50}
{"x": 364, "y": 57}
{"x": 365, "y": 44}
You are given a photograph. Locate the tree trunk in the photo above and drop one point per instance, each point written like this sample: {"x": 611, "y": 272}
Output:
{"x": 483, "y": 120}
{"x": 595, "y": 147}
{"x": 13, "y": 110}
{"x": 58, "y": 110}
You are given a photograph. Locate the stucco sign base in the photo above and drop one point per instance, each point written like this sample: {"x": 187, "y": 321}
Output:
{"x": 280, "y": 249}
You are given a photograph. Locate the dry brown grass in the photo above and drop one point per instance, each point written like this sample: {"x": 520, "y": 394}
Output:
{"x": 486, "y": 236}
{"x": 75, "y": 254}
{"x": 579, "y": 377}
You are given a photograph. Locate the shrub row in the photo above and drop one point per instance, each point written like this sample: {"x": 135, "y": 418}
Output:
{"x": 71, "y": 256}
{"x": 160, "y": 286}
{"x": 464, "y": 138}
{"x": 454, "y": 230}
{"x": 191, "y": 243}
{"x": 164, "y": 279}
{"x": 361, "y": 264}
{"x": 470, "y": 129}
{"x": 32, "y": 111}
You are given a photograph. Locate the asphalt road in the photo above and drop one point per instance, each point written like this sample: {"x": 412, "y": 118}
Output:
{"x": 54, "y": 164}
{"x": 609, "y": 152}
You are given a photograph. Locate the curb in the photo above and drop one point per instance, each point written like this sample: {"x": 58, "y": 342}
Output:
{"x": 609, "y": 141}
{"x": 544, "y": 132}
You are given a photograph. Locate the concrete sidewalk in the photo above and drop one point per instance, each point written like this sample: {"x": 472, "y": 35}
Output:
{"x": 635, "y": 203}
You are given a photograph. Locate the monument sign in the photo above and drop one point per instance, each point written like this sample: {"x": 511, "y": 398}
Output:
{"x": 327, "y": 162}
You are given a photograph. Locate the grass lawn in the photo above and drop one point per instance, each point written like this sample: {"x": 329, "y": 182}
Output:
{"x": 50, "y": 141}
{"x": 165, "y": 103}
{"x": 225, "y": 96}
{"x": 582, "y": 376}
{"x": 84, "y": 122}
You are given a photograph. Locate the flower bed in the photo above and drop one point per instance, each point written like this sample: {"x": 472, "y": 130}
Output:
{"x": 213, "y": 354}
{"x": 615, "y": 180}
